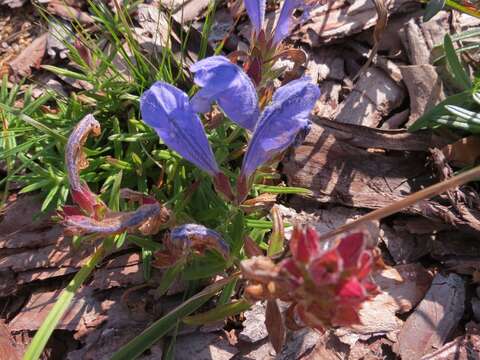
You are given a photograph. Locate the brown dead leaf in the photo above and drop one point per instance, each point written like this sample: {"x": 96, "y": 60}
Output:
{"x": 464, "y": 152}
{"x": 69, "y": 12}
{"x": 30, "y": 57}
{"x": 274, "y": 321}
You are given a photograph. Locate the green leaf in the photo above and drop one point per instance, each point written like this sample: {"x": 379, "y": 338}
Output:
{"x": 204, "y": 267}
{"x": 236, "y": 233}
{"x": 458, "y": 71}
{"x": 168, "y": 277}
{"x": 433, "y": 7}
{"x": 164, "y": 325}
{"x": 218, "y": 313}
{"x": 41, "y": 337}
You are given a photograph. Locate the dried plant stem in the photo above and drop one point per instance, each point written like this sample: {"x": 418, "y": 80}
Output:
{"x": 408, "y": 201}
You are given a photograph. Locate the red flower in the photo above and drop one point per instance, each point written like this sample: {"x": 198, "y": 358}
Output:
{"x": 325, "y": 288}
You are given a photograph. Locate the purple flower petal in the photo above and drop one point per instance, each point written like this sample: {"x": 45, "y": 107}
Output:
{"x": 256, "y": 12}
{"x": 280, "y": 123}
{"x": 286, "y": 21}
{"x": 167, "y": 110}
{"x": 229, "y": 86}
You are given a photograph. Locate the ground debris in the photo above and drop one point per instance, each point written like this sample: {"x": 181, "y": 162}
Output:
{"x": 434, "y": 319}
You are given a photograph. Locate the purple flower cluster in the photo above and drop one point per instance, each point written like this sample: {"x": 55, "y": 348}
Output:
{"x": 173, "y": 115}
{"x": 286, "y": 21}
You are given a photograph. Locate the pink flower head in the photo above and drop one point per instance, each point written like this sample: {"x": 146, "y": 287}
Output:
{"x": 325, "y": 288}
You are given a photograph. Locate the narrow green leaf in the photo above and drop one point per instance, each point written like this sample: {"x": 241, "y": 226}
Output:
{"x": 432, "y": 9}
{"x": 218, "y": 313}
{"x": 168, "y": 277}
{"x": 458, "y": 71}
{"x": 283, "y": 190}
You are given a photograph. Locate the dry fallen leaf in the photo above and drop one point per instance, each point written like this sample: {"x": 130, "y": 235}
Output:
{"x": 464, "y": 152}
{"x": 30, "y": 57}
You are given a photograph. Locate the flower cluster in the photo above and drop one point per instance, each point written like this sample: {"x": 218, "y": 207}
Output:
{"x": 174, "y": 117}
{"x": 324, "y": 288}
{"x": 266, "y": 47}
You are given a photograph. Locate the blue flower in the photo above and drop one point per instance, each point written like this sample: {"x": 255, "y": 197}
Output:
{"x": 256, "y": 12}
{"x": 188, "y": 237}
{"x": 168, "y": 111}
{"x": 229, "y": 86}
{"x": 278, "y": 126}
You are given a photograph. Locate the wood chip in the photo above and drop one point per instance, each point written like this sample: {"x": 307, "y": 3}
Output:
{"x": 374, "y": 96}
{"x": 434, "y": 319}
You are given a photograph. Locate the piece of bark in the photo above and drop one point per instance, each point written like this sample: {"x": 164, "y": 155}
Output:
{"x": 339, "y": 19}
{"x": 83, "y": 305}
{"x": 465, "y": 347}
{"x": 122, "y": 271}
{"x": 434, "y": 319}
{"x": 374, "y": 96}
{"x": 424, "y": 87}
{"x": 30, "y": 57}
{"x": 338, "y": 172}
